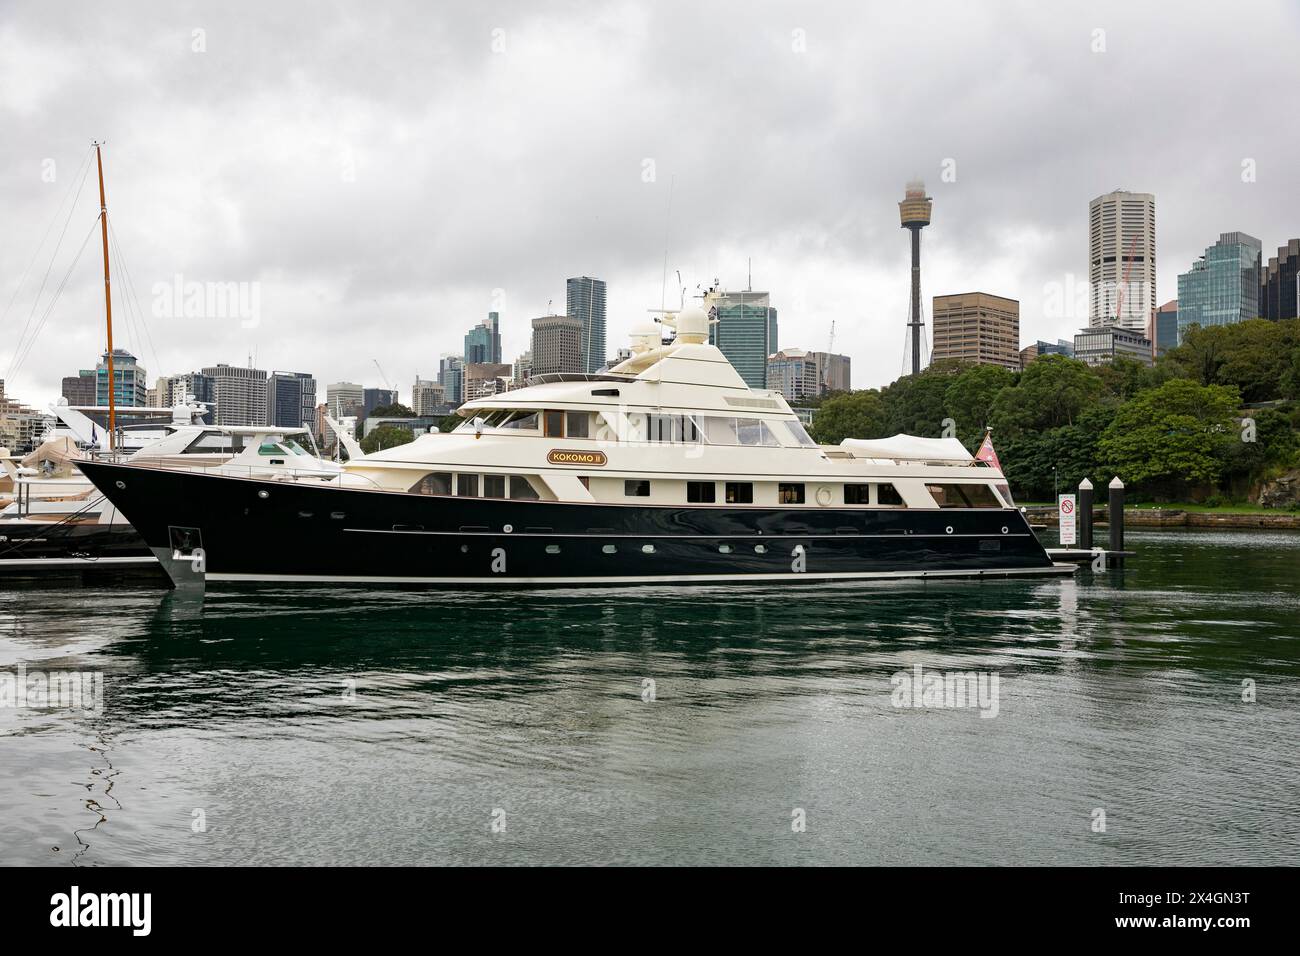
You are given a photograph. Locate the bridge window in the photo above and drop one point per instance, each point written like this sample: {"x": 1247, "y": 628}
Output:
{"x": 467, "y": 486}
{"x": 434, "y": 483}
{"x": 857, "y": 494}
{"x": 964, "y": 496}
{"x": 701, "y": 492}
{"x": 494, "y": 486}
{"x": 577, "y": 424}
{"x": 887, "y": 494}
{"x": 790, "y": 494}
{"x": 522, "y": 489}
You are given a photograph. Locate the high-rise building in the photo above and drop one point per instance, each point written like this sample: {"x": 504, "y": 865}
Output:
{"x": 523, "y": 368}
{"x": 79, "y": 389}
{"x": 557, "y": 345}
{"x": 21, "y": 427}
{"x": 1164, "y": 327}
{"x": 483, "y": 342}
{"x": 239, "y": 393}
{"x": 585, "y": 301}
{"x": 160, "y": 395}
{"x": 798, "y": 374}
{"x": 1103, "y": 344}
{"x": 1222, "y": 287}
{"x": 1122, "y": 260}
{"x": 290, "y": 399}
{"x": 745, "y": 333}
{"x": 130, "y": 381}
{"x": 344, "y": 398}
{"x": 1280, "y": 283}
{"x": 451, "y": 376}
{"x": 977, "y": 327}
{"x": 197, "y": 387}
{"x": 372, "y": 398}
{"x": 914, "y": 215}
{"x": 427, "y": 397}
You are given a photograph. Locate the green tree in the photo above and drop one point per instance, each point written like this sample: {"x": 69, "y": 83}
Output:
{"x": 1165, "y": 439}
{"x": 1053, "y": 391}
{"x": 914, "y": 404}
{"x": 969, "y": 397}
{"x": 386, "y": 436}
{"x": 849, "y": 415}
{"x": 395, "y": 410}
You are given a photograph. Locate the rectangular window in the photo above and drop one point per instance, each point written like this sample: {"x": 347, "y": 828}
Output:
{"x": 577, "y": 424}
{"x": 636, "y": 488}
{"x": 789, "y": 494}
{"x": 964, "y": 496}
{"x": 522, "y": 489}
{"x": 436, "y": 483}
{"x": 554, "y": 424}
{"x": 494, "y": 486}
{"x": 701, "y": 492}
{"x": 467, "y": 486}
{"x": 888, "y": 495}
{"x": 857, "y": 494}
{"x": 800, "y": 434}
{"x": 740, "y": 493}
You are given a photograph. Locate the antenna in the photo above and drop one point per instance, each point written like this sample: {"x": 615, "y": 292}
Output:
{"x": 668, "y": 218}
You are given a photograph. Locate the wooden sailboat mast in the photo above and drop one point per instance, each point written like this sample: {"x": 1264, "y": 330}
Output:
{"x": 108, "y": 303}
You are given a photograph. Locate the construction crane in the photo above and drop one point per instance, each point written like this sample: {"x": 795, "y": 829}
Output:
{"x": 382, "y": 377}
{"x": 830, "y": 349}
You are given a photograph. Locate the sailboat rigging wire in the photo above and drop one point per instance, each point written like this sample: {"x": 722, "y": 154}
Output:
{"x": 18, "y": 361}
{"x": 130, "y": 283}
{"x": 54, "y": 255}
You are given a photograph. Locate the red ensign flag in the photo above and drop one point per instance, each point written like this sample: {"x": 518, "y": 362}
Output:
{"x": 986, "y": 453}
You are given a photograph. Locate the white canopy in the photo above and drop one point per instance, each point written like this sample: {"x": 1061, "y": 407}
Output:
{"x": 910, "y": 447}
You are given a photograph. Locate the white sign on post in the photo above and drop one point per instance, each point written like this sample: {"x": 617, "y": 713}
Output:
{"x": 1065, "y": 509}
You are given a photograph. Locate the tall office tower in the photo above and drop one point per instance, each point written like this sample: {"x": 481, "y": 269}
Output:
{"x": 798, "y": 374}
{"x": 451, "y": 376}
{"x": 427, "y": 396}
{"x": 372, "y": 398}
{"x": 585, "y": 301}
{"x": 745, "y": 333}
{"x": 79, "y": 389}
{"x": 1222, "y": 287}
{"x": 130, "y": 385}
{"x": 1122, "y": 260}
{"x": 486, "y": 378}
{"x": 344, "y": 398}
{"x": 977, "y": 327}
{"x": 914, "y": 215}
{"x": 239, "y": 393}
{"x": 483, "y": 342}
{"x": 557, "y": 345}
{"x": 523, "y": 368}
{"x": 160, "y": 394}
{"x": 1164, "y": 328}
{"x": 290, "y": 399}
{"x": 1280, "y": 283}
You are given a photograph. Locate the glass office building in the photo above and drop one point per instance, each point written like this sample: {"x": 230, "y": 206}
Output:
{"x": 746, "y": 333}
{"x": 1222, "y": 287}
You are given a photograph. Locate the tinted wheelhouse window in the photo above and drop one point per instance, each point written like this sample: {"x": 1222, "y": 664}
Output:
{"x": 701, "y": 492}
{"x": 554, "y": 424}
{"x": 740, "y": 493}
{"x": 494, "y": 486}
{"x": 789, "y": 494}
{"x": 577, "y": 424}
{"x": 467, "y": 486}
{"x": 857, "y": 494}
{"x": 964, "y": 496}
{"x": 888, "y": 495}
{"x": 800, "y": 434}
{"x": 435, "y": 483}
{"x": 522, "y": 489}
{"x": 525, "y": 420}
{"x": 636, "y": 488}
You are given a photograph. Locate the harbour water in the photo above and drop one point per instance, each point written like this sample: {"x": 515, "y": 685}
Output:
{"x": 699, "y": 725}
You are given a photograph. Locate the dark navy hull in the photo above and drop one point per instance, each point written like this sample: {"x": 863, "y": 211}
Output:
{"x": 88, "y": 551}
{"x": 250, "y": 530}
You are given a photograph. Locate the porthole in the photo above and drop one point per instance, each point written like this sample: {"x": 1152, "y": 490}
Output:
{"x": 724, "y": 549}
{"x": 948, "y": 530}
{"x": 337, "y": 515}
{"x": 609, "y": 549}
{"x": 552, "y": 549}
{"x": 1004, "y": 529}
{"x": 121, "y": 485}
{"x": 464, "y": 549}
{"x": 508, "y": 528}
{"x": 760, "y": 549}
{"x": 263, "y": 494}
{"x": 647, "y": 549}
{"x": 304, "y": 514}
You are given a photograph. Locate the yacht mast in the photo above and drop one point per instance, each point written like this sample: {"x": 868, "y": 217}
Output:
{"x": 108, "y": 302}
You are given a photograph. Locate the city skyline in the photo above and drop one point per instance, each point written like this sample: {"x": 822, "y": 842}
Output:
{"x": 359, "y": 233}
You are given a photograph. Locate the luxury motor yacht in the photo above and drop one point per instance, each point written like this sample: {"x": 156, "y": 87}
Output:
{"x": 667, "y": 468}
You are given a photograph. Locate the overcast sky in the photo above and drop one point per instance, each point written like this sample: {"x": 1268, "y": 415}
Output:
{"x": 383, "y": 174}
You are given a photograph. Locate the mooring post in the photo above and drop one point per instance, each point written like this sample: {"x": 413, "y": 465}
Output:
{"x": 1085, "y": 515}
{"x": 1115, "y": 514}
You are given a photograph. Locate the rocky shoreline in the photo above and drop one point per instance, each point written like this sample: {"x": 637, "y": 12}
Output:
{"x": 1178, "y": 518}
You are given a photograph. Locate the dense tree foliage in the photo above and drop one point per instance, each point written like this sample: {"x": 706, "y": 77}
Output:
{"x": 386, "y": 436}
{"x": 1213, "y": 416}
